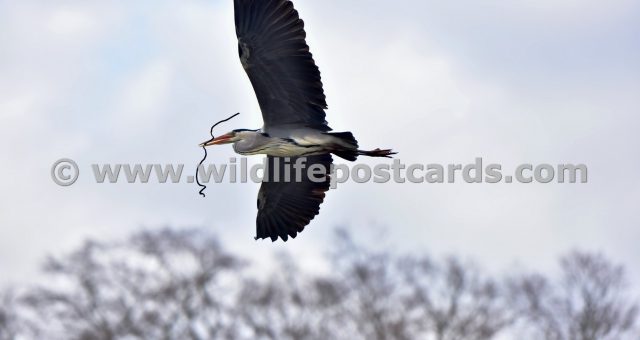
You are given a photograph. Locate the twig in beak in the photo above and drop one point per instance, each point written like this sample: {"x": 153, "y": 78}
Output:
{"x": 204, "y": 187}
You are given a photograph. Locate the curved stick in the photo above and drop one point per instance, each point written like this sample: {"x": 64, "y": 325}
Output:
{"x": 204, "y": 187}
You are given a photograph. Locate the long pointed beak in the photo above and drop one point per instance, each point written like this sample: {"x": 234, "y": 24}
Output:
{"x": 224, "y": 139}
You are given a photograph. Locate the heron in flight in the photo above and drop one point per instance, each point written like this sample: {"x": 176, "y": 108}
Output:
{"x": 286, "y": 81}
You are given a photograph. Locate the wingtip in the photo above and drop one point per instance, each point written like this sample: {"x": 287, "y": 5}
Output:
{"x": 273, "y": 239}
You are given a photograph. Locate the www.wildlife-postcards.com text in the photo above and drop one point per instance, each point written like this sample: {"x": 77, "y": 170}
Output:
{"x": 66, "y": 172}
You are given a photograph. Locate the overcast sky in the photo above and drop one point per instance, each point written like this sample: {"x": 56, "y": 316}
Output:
{"x": 439, "y": 81}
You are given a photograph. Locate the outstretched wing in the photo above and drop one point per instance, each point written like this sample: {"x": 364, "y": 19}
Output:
{"x": 276, "y": 57}
{"x": 285, "y": 205}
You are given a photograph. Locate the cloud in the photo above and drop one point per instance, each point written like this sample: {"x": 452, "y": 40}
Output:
{"x": 72, "y": 23}
{"x": 141, "y": 97}
{"x": 440, "y": 82}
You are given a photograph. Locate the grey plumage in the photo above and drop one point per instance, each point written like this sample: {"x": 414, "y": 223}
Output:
{"x": 275, "y": 55}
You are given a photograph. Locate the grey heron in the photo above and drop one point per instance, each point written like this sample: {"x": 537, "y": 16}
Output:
{"x": 275, "y": 55}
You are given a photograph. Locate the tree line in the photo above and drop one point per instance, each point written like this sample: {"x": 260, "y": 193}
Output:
{"x": 184, "y": 284}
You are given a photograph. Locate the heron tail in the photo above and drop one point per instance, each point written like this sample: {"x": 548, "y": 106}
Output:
{"x": 346, "y": 137}
{"x": 349, "y": 148}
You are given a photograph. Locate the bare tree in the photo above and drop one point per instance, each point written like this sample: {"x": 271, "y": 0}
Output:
{"x": 452, "y": 300}
{"x": 413, "y": 297}
{"x": 290, "y": 304}
{"x": 184, "y": 285}
{"x": 9, "y": 321}
{"x": 589, "y": 302}
{"x": 370, "y": 292}
{"x": 166, "y": 285}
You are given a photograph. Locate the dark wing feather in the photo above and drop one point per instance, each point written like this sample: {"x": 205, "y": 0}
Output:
{"x": 286, "y": 207}
{"x": 276, "y": 57}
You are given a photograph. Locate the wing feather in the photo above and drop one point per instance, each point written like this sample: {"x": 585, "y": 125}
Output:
{"x": 274, "y": 53}
{"x": 286, "y": 208}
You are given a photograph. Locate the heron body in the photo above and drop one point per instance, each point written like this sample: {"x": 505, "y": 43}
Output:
{"x": 275, "y": 55}
{"x": 291, "y": 143}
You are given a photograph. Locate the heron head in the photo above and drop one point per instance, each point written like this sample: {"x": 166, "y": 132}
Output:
{"x": 228, "y": 138}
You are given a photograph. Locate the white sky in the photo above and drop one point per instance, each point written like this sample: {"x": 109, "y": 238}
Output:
{"x": 513, "y": 82}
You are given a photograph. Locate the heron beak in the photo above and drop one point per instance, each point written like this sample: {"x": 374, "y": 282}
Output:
{"x": 224, "y": 139}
